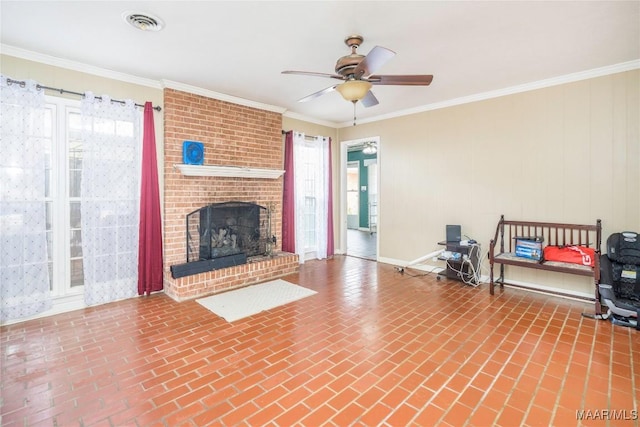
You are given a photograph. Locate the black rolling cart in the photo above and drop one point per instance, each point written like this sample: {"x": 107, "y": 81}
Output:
{"x": 462, "y": 260}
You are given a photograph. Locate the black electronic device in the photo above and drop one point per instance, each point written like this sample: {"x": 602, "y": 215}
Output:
{"x": 454, "y": 233}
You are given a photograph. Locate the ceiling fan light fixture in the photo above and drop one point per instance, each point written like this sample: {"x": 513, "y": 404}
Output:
{"x": 370, "y": 148}
{"x": 354, "y": 90}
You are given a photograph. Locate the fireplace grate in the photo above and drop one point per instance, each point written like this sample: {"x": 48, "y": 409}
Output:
{"x": 226, "y": 229}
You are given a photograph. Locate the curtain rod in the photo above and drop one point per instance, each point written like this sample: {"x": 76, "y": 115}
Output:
{"x": 61, "y": 91}
{"x": 306, "y": 136}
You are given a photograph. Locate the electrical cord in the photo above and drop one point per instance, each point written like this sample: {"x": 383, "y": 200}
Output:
{"x": 482, "y": 266}
{"x": 463, "y": 275}
{"x": 403, "y": 271}
{"x": 474, "y": 277}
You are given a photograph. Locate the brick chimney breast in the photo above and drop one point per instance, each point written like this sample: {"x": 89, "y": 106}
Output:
{"x": 233, "y": 135}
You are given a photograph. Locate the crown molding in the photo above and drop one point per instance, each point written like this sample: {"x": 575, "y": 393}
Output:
{"x": 297, "y": 116}
{"x": 540, "y": 84}
{"x": 169, "y": 84}
{"x": 77, "y": 66}
{"x": 128, "y": 78}
{"x": 89, "y": 69}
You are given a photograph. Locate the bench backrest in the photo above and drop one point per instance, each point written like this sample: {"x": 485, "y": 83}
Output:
{"x": 553, "y": 233}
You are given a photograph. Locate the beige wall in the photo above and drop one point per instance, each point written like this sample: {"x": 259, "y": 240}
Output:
{"x": 569, "y": 153}
{"x": 309, "y": 128}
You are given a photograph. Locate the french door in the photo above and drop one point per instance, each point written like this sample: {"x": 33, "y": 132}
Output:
{"x": 63, "y": 149}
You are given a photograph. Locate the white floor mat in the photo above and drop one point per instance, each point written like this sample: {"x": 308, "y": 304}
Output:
{"x": 244, "y": 302}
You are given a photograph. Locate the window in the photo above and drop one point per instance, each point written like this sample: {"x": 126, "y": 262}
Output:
{"x": 309, "y": 202}
{"x": 72, "y": 220}
{"x": 64, "y": 168}
{"x": 311, "y": 178}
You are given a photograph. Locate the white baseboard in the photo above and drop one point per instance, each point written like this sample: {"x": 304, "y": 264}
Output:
{"x": 403, "y": 263}
{"x": 59, "y": 305}
{"x": 517, "y": 284}
{"x": 542, "y": 289}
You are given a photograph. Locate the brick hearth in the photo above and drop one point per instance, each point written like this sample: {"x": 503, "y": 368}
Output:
{"x": 233, "y": 135}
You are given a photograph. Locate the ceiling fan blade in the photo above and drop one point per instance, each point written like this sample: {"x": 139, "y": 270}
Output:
{"x": 317, "y": 94}
{"x": 311, "y": 73}
{"x": 374, "y": 60}
{"x": 405, "y": 80}
{"x": 369, "y": 100}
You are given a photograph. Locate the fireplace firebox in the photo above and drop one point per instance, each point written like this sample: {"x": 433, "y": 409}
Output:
{"x": 223, "y": 235}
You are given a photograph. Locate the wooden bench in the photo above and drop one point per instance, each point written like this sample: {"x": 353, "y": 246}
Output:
{"x": 502, "y": 248}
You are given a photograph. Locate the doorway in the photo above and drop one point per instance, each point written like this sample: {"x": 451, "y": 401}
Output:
{"x": 360, "y": 198}
{"x": 353, "y": 195}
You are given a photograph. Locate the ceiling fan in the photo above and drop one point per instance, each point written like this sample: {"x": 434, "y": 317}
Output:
{"x": 356, "y": 72}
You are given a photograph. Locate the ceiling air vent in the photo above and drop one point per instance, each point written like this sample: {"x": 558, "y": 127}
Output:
{"x": 143, "y": 21}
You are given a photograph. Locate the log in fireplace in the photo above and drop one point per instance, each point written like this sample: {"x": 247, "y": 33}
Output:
{"x": 223, "y": 235}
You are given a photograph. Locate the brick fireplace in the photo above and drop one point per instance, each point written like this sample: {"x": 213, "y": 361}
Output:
{"x": 233, "y": 135}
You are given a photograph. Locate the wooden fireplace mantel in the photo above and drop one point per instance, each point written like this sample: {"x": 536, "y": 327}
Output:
{"x": 228, "y": 171}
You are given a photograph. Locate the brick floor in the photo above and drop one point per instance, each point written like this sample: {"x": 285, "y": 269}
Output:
{"x": 372, "y": 347}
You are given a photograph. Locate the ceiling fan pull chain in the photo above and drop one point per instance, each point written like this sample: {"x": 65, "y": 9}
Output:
{"x": 354, "y": 112}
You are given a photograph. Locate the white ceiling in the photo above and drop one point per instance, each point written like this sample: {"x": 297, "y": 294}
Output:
{"x": 239, "y": 48}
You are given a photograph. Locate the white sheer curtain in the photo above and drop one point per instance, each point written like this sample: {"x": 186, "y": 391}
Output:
{"x": 24, "y": 269}
{"x": 111, "y": 167}
{"x": 311, "y": 160}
